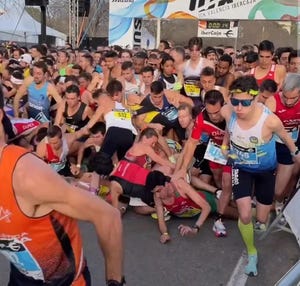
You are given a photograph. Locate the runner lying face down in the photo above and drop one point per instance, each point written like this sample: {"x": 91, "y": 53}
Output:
{"x": 131, "y": 177}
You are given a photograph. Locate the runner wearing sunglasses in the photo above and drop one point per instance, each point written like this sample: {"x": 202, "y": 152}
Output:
{"x": 250, "y": 141}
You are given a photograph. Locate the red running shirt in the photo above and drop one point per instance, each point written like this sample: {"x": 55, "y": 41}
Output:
{"x": 290, "y": 116}
{"x": 204, "y": 125}
{"x": 269, "y": 75}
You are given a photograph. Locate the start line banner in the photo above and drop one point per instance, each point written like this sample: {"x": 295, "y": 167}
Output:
{"x": 123, "y": 12}
{"x": 206, "y": 9}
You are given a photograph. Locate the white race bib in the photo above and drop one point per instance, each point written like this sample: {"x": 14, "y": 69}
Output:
{"x": 213, "y": 153}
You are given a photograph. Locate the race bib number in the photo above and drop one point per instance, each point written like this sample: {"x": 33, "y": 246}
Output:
{"x": 242, "y": 155}
{"x": 191, "y": 90}
{"x": 71, "y": 128}
{"x": 122, "y": 114}
{"x": 213, "y": 153}
{"x": 190, "y": 212}
{"x": 171, "y": 114}
{"x": 41, "y": 117}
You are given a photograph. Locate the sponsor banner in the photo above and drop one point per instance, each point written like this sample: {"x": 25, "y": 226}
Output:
{"x": 206, "y": 9}
{"x": 137, "y": 32}
{"x": 136, "y": 35}
{"x": 120, "y": 31}
{"x": 218, "y": 29}
{"x": 122, "y": 13}
{"x": 148, "y": 40}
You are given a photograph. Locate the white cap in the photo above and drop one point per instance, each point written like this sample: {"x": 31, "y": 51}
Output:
{"x": 26, "y": 58}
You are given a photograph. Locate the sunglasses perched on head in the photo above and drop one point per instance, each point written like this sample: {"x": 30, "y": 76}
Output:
{"x": 252, "y": 92}
{"x": 243, "y": 102}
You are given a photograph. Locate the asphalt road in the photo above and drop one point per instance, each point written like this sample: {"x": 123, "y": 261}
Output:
{"x": 193, "y": 261}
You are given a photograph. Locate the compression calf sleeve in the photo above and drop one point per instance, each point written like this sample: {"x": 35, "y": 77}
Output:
{"x": 247, "y": 233}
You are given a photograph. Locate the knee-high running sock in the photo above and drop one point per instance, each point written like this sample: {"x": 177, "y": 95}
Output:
{"x": 248, "y": 236}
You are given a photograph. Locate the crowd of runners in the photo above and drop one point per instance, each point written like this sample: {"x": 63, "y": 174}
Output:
{"x": 191, "y": 131}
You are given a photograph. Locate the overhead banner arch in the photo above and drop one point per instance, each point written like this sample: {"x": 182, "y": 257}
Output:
{"x": 123, "y": 12}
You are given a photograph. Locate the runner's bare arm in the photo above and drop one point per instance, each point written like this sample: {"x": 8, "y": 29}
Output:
{"x": 205, "y": 208}
{"x": 97, "y": 115}
{"x": 271, "y": 103}
{"x": 20, "y": 93}
{"x": 48, "y": 189}
{"x": 175, "y": 98}
{"x": 277, "y": 127}
{"x": 84, "y": 146}
{"x": 187, "y": 154}
{"x": 226, "y": 112}
{"x": 156, "y": 158}
{"x": 165, "y": 236}
{"x": 72, "y": 137}
{"x": 52, "y": 91}
{"x": 280, "y": 74}
{"x": 59, "y": 114}
{"x": 41, "y": 149}
{"x": 203, "y": 204}
{"x": 88, "y": 112}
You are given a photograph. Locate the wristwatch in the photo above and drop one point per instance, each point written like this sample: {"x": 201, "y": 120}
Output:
{"x": 295, "y": 153}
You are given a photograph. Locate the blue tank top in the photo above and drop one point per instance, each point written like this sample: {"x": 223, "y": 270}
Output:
{"x": 247, "y": 149}
{"x": 39, "y": 103}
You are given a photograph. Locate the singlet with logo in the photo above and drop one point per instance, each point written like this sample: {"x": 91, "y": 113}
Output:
{"x": 290, "y": 117}
{"x": 56, "y": 163}
{"x": 39, "y": 103}
{"x": 168, "y": 113}
{"x": 204, "y": 129}
{"x": 46, "y": 248}
{"x": 75, "y": 122}
{"x": 269, "y": 75}
{"x": 249, "y": 152}
{"x": 119, "y": 117}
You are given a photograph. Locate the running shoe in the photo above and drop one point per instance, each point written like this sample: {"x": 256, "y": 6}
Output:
{"x": 278, "y": 209}
{"x": 251, "y": 267}
{"x": 219, "y": 228}
{"x": 166, "y": 215}
{"x": 218, "y": 193}
{"x": 260, "y": 227}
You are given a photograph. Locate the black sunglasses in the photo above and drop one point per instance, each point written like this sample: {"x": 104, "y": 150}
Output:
{"x": 243, "y": 102}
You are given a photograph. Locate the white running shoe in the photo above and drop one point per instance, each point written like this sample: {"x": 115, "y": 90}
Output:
{"x": 219, "y": 228}
{"x": 260, "y": 227}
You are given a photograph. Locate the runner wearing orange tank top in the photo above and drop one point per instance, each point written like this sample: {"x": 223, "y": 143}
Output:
{"x": 38, "y": 234}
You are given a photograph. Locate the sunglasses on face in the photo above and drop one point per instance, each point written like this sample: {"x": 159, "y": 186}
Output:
{"x": 243, "y": 102}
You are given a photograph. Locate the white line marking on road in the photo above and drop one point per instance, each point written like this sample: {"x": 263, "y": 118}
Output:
{"x": 238, "y": 277}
